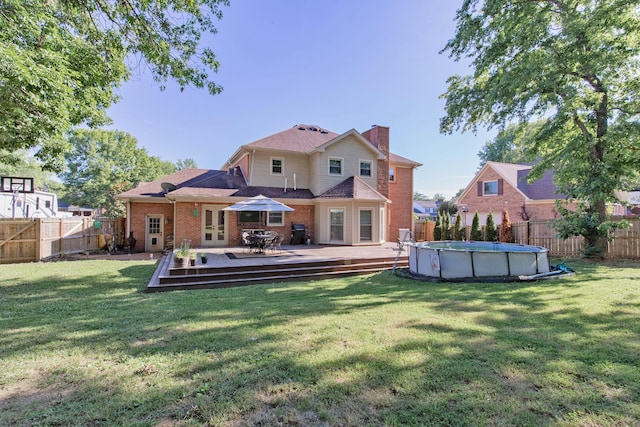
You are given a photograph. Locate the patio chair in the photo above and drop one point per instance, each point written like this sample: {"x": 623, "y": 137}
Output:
{"x": 276, "y": 243}
{"x": 250, "y": 242}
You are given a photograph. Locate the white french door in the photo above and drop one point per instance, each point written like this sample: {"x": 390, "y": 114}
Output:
{"x": 214, "y": 226}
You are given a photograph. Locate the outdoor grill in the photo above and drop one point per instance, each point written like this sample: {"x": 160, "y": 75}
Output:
{"x": 298, "y": 234}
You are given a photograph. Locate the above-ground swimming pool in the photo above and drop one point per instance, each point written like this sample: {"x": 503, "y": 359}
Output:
{"x": 456, "y": 260}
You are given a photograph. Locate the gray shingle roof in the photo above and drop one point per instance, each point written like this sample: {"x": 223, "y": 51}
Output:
{"x": 190, "y": 182}
{"x": 300, "y": 138}
{"x": 352, "y": 188}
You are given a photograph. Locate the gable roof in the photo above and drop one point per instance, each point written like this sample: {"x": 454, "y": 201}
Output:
{"x": 358, "y": 136}
{"x": 306, "y": 139}
{"x": 516, "y": 175}
{"x": 353, "y": 188}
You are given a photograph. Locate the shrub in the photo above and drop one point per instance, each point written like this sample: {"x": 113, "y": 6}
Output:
{"x": 437, "y": 231}
{"x": 476, "y": 233}
{"x": 506, "y": 230}
{"x": 490, "y": 233}
{"x": 446, "y": 226}
{"x": 458, "y": 230}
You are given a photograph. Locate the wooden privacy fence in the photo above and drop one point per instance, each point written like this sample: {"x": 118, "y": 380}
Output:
{"x": 626, "y": 243}
{"x": 36, "y": 239}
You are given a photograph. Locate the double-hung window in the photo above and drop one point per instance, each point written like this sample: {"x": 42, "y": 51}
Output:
{"x": 365, "y": 168}
{"x": 277, "y": 166}
{"x": 335, "y": 166}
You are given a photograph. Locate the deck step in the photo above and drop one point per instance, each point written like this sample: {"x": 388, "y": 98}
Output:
{"x": 232, "y": 276}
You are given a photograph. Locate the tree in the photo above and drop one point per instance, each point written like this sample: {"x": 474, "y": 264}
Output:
{"x": 103, "y": 164}
{"x": 490, "y": 231}
{"x": 437, "y": 230}
{"x": 458, "y": 230}
{"x": 446, "y": 226}
{"x": 420, "y": 196}
{"x": 182, "y": 164}
{"x": 506, "y": 229}
{"x": 476, "y": 232}
{"x": 573, "y": 66}
{"x": 510, "y": 145}
{"x": 62, "y": 61}
{"x": 27, "y": 166}
{"x": 448, "y": 208}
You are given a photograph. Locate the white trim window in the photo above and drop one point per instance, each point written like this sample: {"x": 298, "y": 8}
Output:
{"x": 490, "y": 188}
{"x": 366, "y": 168}
{"x": 277, "y": 166}
{"x": 336, "y": 219}
{"x": 335, "y": 166}
{"x": 392, "y": 175}
{"x": 275, "y": 218}
{"x": 366, "y": 225}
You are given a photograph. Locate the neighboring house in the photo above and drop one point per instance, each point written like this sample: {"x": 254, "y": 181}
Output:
{"x": 71, "y": 210}
{"x": 631, "y": 200}
{"x": 499, "y": 186}
{"x": 19, "y": 199}
{"x": 425, "y": 209}
{"x": 347, "y": 189}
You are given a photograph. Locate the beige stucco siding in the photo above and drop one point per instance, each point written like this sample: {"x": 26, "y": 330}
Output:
{"x": 293, "y": 164}
{"x": 351, "y": 152}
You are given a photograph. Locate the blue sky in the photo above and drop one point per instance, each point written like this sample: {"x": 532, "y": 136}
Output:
{"x": 336, "y": 64}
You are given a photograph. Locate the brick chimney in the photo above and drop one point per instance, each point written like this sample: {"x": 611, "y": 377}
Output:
{"x": 379, "y": 137}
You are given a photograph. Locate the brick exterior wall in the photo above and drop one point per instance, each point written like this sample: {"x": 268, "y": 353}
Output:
{"x": 188, "y": 226}
{"x": 137, "y": 216}
{"x": 379, "y": 136}
{"x": 511, "y": 199}
{"x": 303, "y": 214}
{"x": 400, "y": 211}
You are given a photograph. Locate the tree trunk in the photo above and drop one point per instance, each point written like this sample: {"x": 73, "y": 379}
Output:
{"x": 596, "y": 242}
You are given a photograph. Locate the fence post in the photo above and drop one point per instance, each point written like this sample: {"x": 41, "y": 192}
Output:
{"x": 38, "y": 244}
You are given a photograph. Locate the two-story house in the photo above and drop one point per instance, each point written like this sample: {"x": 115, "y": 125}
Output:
{"x": 346, "y": 189}
{"x": 503, "y": 186}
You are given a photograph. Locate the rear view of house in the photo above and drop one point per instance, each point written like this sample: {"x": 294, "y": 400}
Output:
{"x": 345, "y": 189}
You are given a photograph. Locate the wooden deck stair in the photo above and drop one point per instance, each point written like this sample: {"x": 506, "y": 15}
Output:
{"x": 167, "y": 279}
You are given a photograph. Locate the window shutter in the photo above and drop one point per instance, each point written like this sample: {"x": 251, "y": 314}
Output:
{"x": 500, "y": 186}
{"x": 480, "y": 188}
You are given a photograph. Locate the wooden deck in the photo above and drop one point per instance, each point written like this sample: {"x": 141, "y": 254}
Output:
{"x": 292, "y": 263}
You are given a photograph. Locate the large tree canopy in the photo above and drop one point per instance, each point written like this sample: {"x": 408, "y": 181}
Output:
{"x": 575, "y": 65}
{"x": 60, "y": 62}
{"x": 511, "y": 145}
{"x": 103, "y": 164}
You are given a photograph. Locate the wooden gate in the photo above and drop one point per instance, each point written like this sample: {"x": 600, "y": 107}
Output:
{"x": 18, "y": 240}
{"x": 30, "y": 240}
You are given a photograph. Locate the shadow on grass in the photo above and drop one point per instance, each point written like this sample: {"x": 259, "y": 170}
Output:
{"x": 368, "y": 350}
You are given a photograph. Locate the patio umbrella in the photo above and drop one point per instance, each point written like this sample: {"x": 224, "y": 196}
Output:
{"x": 260, "y": 204}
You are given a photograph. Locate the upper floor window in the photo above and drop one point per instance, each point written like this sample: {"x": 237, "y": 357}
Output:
{"x": 392, "y": 175}
{"x": 335, "y": 166}
{"x": 490, "y": 188}
{"x": 277, "y": 166}
{"x": 365, "y": 168}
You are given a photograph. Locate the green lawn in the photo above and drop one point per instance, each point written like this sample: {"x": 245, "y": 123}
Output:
{"x": 81, "y": 343}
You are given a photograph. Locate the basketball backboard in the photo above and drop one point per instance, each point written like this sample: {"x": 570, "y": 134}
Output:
{"x": 15, "y": 184}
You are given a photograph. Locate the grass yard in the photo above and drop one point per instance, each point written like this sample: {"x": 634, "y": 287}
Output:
{"x": 81, "y": 343}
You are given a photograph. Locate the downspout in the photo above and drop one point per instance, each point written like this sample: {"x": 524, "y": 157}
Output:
{"x": 253, "y": 156}
{"x": 128, "y": 219}
{"x": 175, "y": 222}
